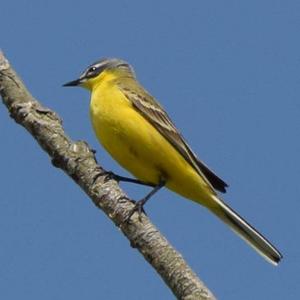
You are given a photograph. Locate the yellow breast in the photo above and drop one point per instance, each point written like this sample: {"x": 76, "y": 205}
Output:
{"x": 123, "y": 132}
{"x": 137, "y": 146}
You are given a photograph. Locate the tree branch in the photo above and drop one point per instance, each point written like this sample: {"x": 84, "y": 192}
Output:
{"x": 78, "y": 161}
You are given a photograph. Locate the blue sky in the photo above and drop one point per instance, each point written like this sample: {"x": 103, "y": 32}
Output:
{"x": 227, "y": 73}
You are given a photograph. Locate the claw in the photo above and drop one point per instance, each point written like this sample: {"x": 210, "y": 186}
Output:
{"x": 139, "y": 208}
{"x": 108, "y": 176}
{"x": 139, "y": 205}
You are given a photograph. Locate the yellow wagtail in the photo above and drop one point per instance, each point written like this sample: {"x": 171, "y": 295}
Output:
{"x": 137, "y": 132}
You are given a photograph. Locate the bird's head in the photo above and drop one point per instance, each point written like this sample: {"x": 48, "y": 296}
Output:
{"x": 100, "y": 70}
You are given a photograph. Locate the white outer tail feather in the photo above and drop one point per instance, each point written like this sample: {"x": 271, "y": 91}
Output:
{"x": 248, "y": 233}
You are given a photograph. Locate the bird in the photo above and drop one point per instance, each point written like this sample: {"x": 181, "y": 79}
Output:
{"x": 138, "y": 133}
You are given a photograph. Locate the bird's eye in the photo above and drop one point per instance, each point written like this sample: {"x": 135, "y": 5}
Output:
{"x": 91, "y": 70}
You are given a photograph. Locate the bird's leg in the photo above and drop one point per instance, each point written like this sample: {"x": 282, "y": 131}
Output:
{"x": 110, "y": 175}
{"x": 132, "y": 180}
{"x": 139, "y": 205}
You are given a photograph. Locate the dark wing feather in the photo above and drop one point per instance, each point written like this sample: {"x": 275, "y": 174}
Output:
{"x": 152, "y": 111}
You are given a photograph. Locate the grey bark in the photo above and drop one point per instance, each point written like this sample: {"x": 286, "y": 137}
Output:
{"x": 78, "y": 161}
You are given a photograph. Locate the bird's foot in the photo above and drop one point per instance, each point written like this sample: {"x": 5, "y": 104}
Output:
{"x": 109, "y": 175}
{"x": 139, "y": 208}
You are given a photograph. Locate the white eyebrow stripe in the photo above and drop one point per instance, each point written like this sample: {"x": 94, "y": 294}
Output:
{"x": 100, "y": 64}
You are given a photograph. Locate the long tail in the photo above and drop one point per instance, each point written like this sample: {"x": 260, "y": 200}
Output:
{"x": 246, "y": 231}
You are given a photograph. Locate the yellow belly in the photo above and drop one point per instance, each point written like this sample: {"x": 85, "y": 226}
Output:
{"x": 138, "y": 147}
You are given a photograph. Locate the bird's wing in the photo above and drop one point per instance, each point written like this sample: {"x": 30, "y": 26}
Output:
{"x": 152, "y": 111}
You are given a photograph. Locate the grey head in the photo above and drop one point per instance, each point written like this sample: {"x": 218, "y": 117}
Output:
{"x": 98, "y": 67}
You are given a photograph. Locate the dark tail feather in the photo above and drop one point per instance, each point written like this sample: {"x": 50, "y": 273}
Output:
{"x": 246, "y": 232}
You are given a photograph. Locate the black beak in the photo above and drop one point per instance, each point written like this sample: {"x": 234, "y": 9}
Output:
{"x": 73, "y": 83}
